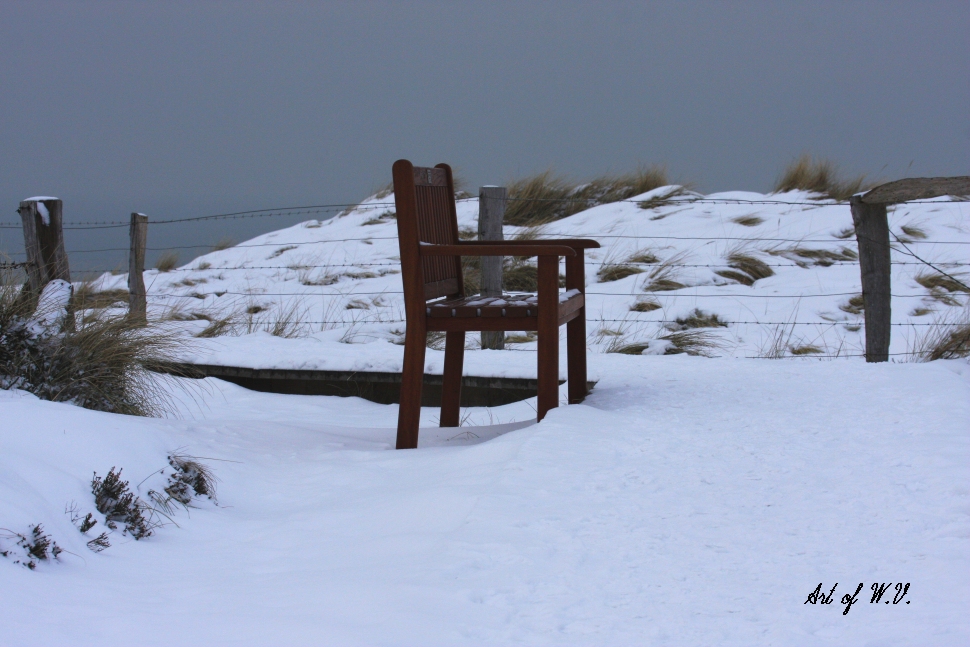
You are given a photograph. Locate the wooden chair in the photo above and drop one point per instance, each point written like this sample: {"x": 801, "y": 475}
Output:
{"x": 435, "y": 299}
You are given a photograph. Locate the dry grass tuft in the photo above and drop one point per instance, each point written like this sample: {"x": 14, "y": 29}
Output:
{"x": 806, "y": 257}
{"x": 436, "y": 339}
{"x": 663, "y": 200}
{"x": 854, "y": 306}
{"x": 806, "y": 349}
{"x": 661, "y": 278}
{"x": 217, "y": 327}
{"x": 387, "y": 216}
{"x": 935, "y": 281}
{"x": 950, "y": 339}
{"x": 612, "y": 270}
{"x": 167, "y": 261}
{"x": 692, "y": 342}
{"x": 471, "y": 272}
{"x": 643, "y": 256}
{"x": 645, "y": 305}
{"x": 663, "y": 285}
{"x": 615, "y": 271}
{"x": 748, "y": 221}
{"x": 281, "y": 251}
{"x": 106, "y": 363}
{"x": 697, "y": 319}
{"x": 546, "y": 197}
{"x": 819, "y": 176}
{"x": 85, "y": 297}
{"x": 746, "y": 269}
{"x": 309, "y": 279}
{"x": 224, "y": 243}
{"x": 519, "y": 276}
{"x": 912, "y": 233}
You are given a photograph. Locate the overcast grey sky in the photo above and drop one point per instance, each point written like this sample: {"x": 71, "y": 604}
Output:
{"x": 183, "y": 109}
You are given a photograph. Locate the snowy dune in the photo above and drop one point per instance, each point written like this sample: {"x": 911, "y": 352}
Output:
{"x": 341, "y": 276}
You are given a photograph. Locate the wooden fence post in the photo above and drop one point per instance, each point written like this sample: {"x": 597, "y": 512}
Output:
{"x": 491, "y": 214}
{"x": 872, "y": 235}
{"x": 869, "y": 215}
{"x": 44, "y": 244}
{"x": 137, "y": 301}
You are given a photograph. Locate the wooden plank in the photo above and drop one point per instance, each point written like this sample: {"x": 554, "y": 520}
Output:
{"x": 444, "y": 288}
{"x": 473, "y": 324}
{"x": 491, "y": 215}
{"x": 917, "y": 188}
{"x": 380, "y": 387}
{"x": 137, "y": 298}
{"x": 872, "y": 234}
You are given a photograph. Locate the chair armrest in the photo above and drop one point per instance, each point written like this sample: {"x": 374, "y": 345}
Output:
{"x": 474, "y": 249}
{"x": 575, "y": 243}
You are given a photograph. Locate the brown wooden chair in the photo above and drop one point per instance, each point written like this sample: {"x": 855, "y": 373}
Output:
{"x": 435, "y": 299}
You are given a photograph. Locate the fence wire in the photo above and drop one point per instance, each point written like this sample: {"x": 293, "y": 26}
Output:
{"x": 902, "y": 246}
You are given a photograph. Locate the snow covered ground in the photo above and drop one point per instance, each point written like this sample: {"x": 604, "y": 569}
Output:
{"x": 689, "y": 501}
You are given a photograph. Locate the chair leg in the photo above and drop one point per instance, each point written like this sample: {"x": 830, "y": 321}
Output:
{"x": 548, "y": 342}
{"x": 451, "y": 380}
{"x": 576, "y": 357}
{"x": 412, "y": 379}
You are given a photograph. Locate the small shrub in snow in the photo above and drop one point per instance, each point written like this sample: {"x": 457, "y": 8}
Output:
{"x": 83, "y": 524}
{"x": 36, "y": 545}
{"x": 189, "y": 478}
{"x": 118, "y": 505}
{"x": 99, "y": 543}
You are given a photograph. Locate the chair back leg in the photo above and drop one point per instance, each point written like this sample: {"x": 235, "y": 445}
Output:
{"x": 451, "y": 380}
{"x": 412, "y": 380}
{"x": 576, "y": 358}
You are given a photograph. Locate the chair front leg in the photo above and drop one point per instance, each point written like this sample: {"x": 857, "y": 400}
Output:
{"x": 451, "y": 380}
{"x": 548, "y": 360}
{"x": 412, "y": 380}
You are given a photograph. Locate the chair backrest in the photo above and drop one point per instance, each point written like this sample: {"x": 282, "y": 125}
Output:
{"x": 425, "y": 199}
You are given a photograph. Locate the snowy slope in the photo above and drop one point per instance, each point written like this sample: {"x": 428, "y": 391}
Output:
{"x": 687, "y": 502}
{"x": 340, "y": 279}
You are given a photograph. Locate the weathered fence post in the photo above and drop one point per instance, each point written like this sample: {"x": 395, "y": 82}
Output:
{"x": 872, "y": 235}
{"x": 44, "y": 244}
{"x": 869, "y": 215}
{"x": 491, "y": 214}
{"x": 137, "y": 301}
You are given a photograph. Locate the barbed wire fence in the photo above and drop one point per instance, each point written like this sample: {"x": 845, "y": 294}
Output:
{"x": 339, "y": 208}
